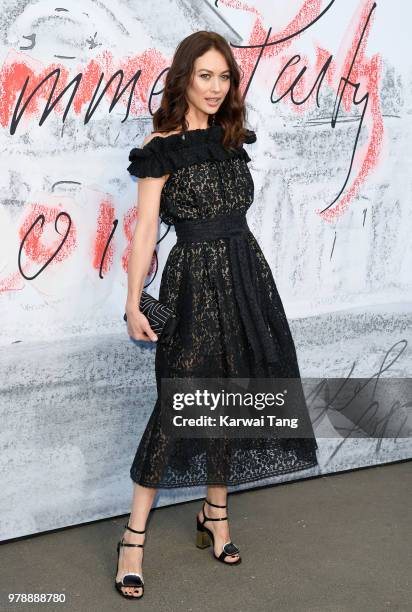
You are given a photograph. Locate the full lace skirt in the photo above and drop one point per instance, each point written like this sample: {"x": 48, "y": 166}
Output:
{"x": 232, "y": 324}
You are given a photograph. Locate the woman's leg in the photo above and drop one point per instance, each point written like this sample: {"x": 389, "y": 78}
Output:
{"x": 130, "y": 559}
{"x": 217, "y": 494}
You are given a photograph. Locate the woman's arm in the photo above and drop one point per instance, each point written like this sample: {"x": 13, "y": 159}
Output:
{"x": 142, "y": 247}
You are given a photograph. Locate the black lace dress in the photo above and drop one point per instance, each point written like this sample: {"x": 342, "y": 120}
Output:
{"x": 232, "y": 319}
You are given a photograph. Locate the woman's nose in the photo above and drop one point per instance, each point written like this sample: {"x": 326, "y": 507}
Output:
{"x": 215, "y": 86}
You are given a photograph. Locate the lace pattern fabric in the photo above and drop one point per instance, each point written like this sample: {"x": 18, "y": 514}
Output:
{"x": 209, "y": 283}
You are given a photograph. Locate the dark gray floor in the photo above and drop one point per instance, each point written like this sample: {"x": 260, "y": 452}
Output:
{"x": 339, "y": 543}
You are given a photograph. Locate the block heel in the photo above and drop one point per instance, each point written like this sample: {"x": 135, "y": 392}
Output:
{"x": 202, "y": 537}
{"x": 205, "y": 537}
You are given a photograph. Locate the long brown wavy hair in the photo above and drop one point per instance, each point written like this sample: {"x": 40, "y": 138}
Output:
{"x": 231, "y": 115}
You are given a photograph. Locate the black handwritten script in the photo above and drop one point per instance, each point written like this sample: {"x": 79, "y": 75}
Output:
{"x": 130, "y": 86}
{"x": 41, "y": 218}
{"x": 343, "y": 84}
{"x": 18, "y": 114}
{"x": 115, "y": 223}
{"x": 375, "y": 407}
{"x": 31, "y": 237}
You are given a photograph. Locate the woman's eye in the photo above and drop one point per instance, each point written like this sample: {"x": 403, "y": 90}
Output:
{"x": 225, "y": 76}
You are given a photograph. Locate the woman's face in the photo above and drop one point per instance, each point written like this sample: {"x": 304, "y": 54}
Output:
{"x": 210, "y": 82}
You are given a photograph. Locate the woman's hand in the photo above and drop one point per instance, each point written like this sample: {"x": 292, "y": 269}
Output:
{"x": 138, "y": 326}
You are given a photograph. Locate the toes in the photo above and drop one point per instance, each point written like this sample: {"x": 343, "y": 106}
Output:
{"x": 130, "y": 592}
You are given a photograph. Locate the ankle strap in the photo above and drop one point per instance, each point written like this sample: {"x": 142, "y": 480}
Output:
{"x": 134, "y": 530}
{"x": 208, "y": 518}
{"x": 215, "y": 505}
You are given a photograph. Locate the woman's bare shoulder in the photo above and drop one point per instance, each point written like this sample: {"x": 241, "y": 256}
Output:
{"x": 150, "y": 137}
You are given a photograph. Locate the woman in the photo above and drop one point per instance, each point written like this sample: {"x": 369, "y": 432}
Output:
{"x": 193, "y": 173}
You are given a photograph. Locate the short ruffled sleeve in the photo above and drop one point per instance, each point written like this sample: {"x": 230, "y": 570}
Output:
{"x": 148, "y": 161}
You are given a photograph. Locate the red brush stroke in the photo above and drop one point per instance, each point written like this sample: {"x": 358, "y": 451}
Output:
{"x": 367, "y": 73}
{"x": 104, "y": 228}
{"x": 309, "y": 10}
{"x": 13, "y": 282}
{"x": 35, "y": 248}
{"x": 151, "y": 62}
{"x": 16, "y": 70}
{"x": 129, "y": 223}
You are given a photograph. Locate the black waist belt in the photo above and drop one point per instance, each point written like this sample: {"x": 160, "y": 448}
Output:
{"x": 225, "y": 226}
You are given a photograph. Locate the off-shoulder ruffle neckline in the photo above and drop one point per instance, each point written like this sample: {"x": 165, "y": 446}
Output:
{"x": 164, "y": 154}
{"x": 211, "y": 133}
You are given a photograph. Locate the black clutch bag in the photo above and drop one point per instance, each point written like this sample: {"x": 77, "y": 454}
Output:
{"x": 161, "y": 318}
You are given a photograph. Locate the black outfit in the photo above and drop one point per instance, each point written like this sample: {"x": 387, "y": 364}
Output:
{"x": 233, "y": 322}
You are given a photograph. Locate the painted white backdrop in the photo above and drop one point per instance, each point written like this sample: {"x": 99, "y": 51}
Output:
{"x": 331, "y": 213}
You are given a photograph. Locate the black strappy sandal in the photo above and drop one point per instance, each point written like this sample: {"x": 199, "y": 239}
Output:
{"x": 204, "y": 537}
{"x": 130, "y": 579}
